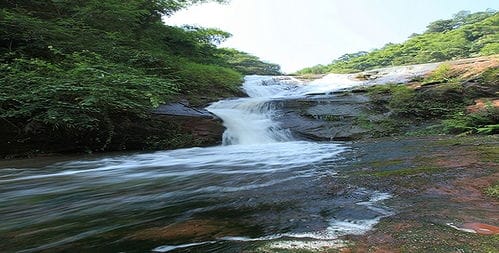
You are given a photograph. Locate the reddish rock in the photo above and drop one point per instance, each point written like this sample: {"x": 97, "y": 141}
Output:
{"x": 191, "y": 229}
{"x": 482, "y": 104}
{"x": 481, "y": 228}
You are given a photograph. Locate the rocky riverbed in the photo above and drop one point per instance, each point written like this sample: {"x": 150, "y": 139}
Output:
{"x": 440, "y": 187}
{"x": 305, "y": 168}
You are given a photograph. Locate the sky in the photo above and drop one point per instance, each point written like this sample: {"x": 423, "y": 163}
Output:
{"x": 301, "y": 33}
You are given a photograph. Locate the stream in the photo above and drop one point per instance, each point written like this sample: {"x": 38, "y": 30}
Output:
{"x": 263, "y": 189}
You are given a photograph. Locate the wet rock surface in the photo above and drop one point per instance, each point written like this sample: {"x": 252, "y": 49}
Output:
{"x": 202, "y": 127}
{"x": 326, "y": 117}
{"x": 438, "y": 185}
{"x": 168, "y": 131}
{"x": 182, "y": 109}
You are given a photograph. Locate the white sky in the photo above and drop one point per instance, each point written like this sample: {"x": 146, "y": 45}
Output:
{"x": 302, "y": 33}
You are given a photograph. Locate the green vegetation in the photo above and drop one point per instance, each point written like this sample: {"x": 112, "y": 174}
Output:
{"x": 489, "y": 153}
{"x": 440, "y": 104}
{"x": 248, "y": 64}
{"x": 493, "y": 190}
{"x": 465, "y": 35}
{"x": 386, "y": 163}
{"x": 443, "y": 73}
{"x": 82, "y": 68}
{"x": 406, "y": 171}
{"x": 385, "y": 126}
{"x": 409, "y": 103}
{"x": 441, "y": 101}
{"x": 483, "y": 122}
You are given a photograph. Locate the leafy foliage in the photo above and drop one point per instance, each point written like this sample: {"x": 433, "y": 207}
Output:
{"x": 442, "y": 74}
{"x": 444, "y": 99}
{"x": 248, "y": 64}
{"x": 493, "y": 190}
{"x": 465, "y": 35}
{"x": 83, "y": 67}
{"x": 482, "y": 122}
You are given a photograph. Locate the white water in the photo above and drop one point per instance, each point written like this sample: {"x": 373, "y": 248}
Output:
{"x": 249, "y": 126}
{"x": 260, "y": 164}
{"x": 249, "y": 120}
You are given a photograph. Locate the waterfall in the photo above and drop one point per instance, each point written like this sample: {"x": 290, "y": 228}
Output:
{"x": 136, "y": 190}
{"x": 249, "y": 120}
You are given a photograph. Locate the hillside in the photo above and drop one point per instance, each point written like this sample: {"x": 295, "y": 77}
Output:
{"x": 83, "y": 71}
{"x": 465, "y": 35}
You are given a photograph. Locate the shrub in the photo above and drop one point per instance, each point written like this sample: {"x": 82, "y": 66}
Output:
{"x": 483, "y": 122}
{"x": 83, "y": 93}
{"x": 443, "y": 73}
{"x": 493, "y": 190}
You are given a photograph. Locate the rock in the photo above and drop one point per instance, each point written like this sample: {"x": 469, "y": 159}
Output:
{"x": 161, "y": 132}
{"x": 169, "y": 126}
{"x": 324, "y": 117}
{"x": 190, "y": 229}
{"x": 182, "y": 109}
{"x": 174, "y": 125}
{"x": 482, "y": 105}
{"x": 482, "y": 228}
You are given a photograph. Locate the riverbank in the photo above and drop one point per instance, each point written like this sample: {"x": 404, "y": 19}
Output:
{"x": 270, "y": 190}
{"x": 169, "y": 126}
{"x": 440, "y": 98}
{"x": 91, "y": 86}
{"x": 442, "y": 190}
{"x": 454, "y": 97}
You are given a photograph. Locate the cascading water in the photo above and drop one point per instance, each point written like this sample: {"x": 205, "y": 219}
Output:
{"x": 249, "y": 120}
{"x": 261, "y": 181}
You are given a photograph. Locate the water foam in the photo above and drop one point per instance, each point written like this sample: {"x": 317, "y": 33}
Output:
{"x": 314, "y": 240}
{"x": 249, "y": 120}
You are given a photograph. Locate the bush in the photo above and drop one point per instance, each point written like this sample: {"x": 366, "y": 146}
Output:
{"x": 493, "y": 190}
{"x": 83, "y": 93}
{"x": 204, "y": 83}
{"x": 443, "y": 73}
{"x": 484, "y": 122}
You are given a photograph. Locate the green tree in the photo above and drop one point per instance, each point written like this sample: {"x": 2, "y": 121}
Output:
{"x": 465, "y": 35}
{"x": 81, "y": 69}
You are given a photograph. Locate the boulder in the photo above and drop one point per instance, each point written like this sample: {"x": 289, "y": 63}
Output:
{"x": 182, "y": 109}
{"x": 324, "y": 117}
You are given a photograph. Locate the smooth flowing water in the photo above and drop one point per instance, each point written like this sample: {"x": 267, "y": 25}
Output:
{"x": 262, "y": 189}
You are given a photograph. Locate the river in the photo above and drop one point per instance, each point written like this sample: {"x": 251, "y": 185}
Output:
{"x": 263, "y": 189}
